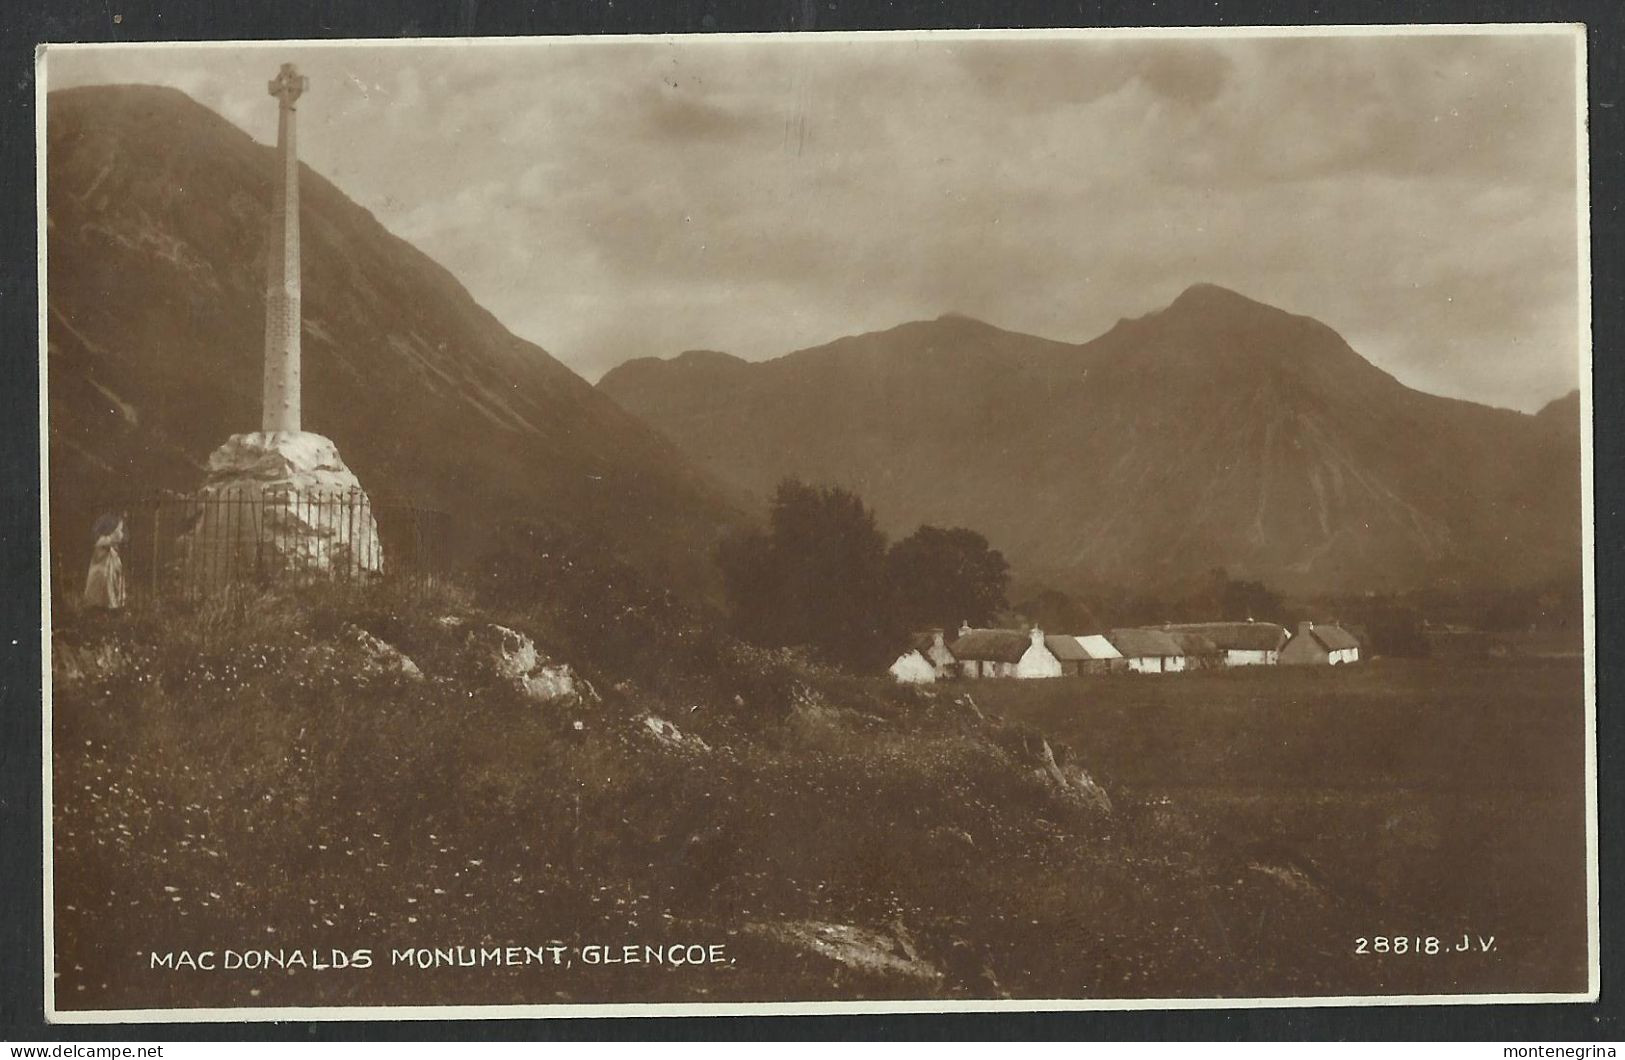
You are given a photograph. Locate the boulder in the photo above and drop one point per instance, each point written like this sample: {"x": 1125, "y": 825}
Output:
{"x": 281, "y": 502}
{"x": 514, "y": 658}
{"x": 1074, "y": 782}
{"x": 1030, "y": 749}
{"x": 670, "y": 735}
{"x": 887, "y": 953}
{"x": 381, "y": 656}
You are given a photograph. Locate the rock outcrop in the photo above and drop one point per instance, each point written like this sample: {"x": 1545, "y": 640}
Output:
{"x": 381, "y": 656}
{"x": 884, "y": 953}
{"x": 514, "y": 658}
{"x": 669, "y": 735}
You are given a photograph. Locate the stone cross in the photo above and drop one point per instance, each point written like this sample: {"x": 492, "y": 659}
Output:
{"x": 282, "y": 322}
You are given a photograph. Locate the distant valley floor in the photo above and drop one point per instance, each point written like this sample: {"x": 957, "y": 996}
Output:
{"x": 1447, "y": 797}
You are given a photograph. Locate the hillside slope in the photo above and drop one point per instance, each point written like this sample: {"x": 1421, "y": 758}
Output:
{"x": 278, "y": 778}
{"x": 157, "y": 226}
{"x": 1217, "y": 432}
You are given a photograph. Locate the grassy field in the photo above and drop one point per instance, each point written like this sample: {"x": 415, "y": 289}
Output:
{"x": 1446, "y": 798}
{"x": 253, "y": 781}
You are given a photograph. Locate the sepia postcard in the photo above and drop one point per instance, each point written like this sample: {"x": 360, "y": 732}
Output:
{"x": 907, "y": 521}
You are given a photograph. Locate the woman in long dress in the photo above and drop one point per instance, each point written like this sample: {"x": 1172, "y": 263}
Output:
{"x": 104, "y": 586}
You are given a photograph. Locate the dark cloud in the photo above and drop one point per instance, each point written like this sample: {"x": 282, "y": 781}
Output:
{"x": 671, "y": 113}
{"x": 1185, "y": 73}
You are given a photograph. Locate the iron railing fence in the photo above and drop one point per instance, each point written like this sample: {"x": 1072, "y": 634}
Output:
{"x": 190, "y": 546}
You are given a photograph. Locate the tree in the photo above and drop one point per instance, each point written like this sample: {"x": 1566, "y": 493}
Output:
{"x": 944, "y": 576}
{"x": 1220, "y": 598}
{"x": 1057, "y": 612}
{"x": 816, "y": 577}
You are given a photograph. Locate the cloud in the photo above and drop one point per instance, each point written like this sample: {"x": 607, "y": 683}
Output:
{"x": 618, "y": 198}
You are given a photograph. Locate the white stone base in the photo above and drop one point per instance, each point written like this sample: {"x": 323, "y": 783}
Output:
{"x": 282, "y": 503}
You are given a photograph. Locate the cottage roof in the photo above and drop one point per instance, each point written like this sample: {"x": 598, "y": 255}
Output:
{"x": 1143, "y": 643}
{"x": 1333, "y": 638}
{"x": 992, "y": 645}
{"x": 1237, "y": 636}
{"x": 925, "y": 642}
{"x": 1192, "y": 643}
{"x": 1099, "y": 647}
{"x": 1066, "y": 649}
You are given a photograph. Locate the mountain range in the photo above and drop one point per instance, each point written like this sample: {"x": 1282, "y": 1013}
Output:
{"x": 156, "y": 227}
{"x": 1218, "y": 432}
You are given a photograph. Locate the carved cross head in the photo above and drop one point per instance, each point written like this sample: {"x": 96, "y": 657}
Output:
{"x": 288, "y": 85}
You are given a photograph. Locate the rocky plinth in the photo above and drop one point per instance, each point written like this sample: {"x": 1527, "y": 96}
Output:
{"x": 281, "y": 502}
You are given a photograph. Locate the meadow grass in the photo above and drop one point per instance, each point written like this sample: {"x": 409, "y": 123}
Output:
{"x": 248, "y": 779}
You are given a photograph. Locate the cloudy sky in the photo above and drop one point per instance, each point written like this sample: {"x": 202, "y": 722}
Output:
{"x": 610, "y": 199}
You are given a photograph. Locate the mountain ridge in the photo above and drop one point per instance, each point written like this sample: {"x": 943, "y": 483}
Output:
{"x": 1215, "y": 431}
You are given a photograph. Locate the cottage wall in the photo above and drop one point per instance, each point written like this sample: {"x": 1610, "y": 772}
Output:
{"x": 913, "y": 668}
{"x": 1037, "y": 661}
{"x": 1249, "y": 657}
{"x": 1301, "y": 650}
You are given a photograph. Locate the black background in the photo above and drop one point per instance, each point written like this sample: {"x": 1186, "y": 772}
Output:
{"x": 25, "y": 24}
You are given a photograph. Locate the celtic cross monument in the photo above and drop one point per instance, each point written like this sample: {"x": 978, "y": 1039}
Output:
{"x": 281, "y": 394}
{"x": 282, "y": 499}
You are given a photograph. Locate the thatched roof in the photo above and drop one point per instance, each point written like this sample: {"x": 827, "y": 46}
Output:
{"x": 925, "y": 642}
{"x": 992, "y": 645}
{"x": 1192, "y": 643}
{"x": 1236, "y": 636}
{"x": 1144, "y": 643}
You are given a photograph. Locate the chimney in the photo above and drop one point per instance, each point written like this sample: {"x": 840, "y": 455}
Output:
{"x": 964, "y": 628}
{"x": 1038, "y": 637}
{"x": 937, "y": 641}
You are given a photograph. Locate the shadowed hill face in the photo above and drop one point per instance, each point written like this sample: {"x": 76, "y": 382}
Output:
{"x": 1562, "y": 414}
{"x": 1217, "y": 432}
{"x": 157, "y": 234}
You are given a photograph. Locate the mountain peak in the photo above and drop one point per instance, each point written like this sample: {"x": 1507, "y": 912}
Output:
{"x": 1210, "y": 297}
{"x": 1217, "y": 432}
{"x": 698, "y": 358}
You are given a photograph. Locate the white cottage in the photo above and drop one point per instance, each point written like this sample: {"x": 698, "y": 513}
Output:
{"x": 1092, "y": 654}
{"x": 1148, "y": 651}
{"x": 1242, "y": 643}
{"x": 1102, "y": 654}
{"x": 913, "y": 668}
{"x": 1004, "y": 653}
{"x": 1320, "y": 644}
{"x": 926, "y": 650}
